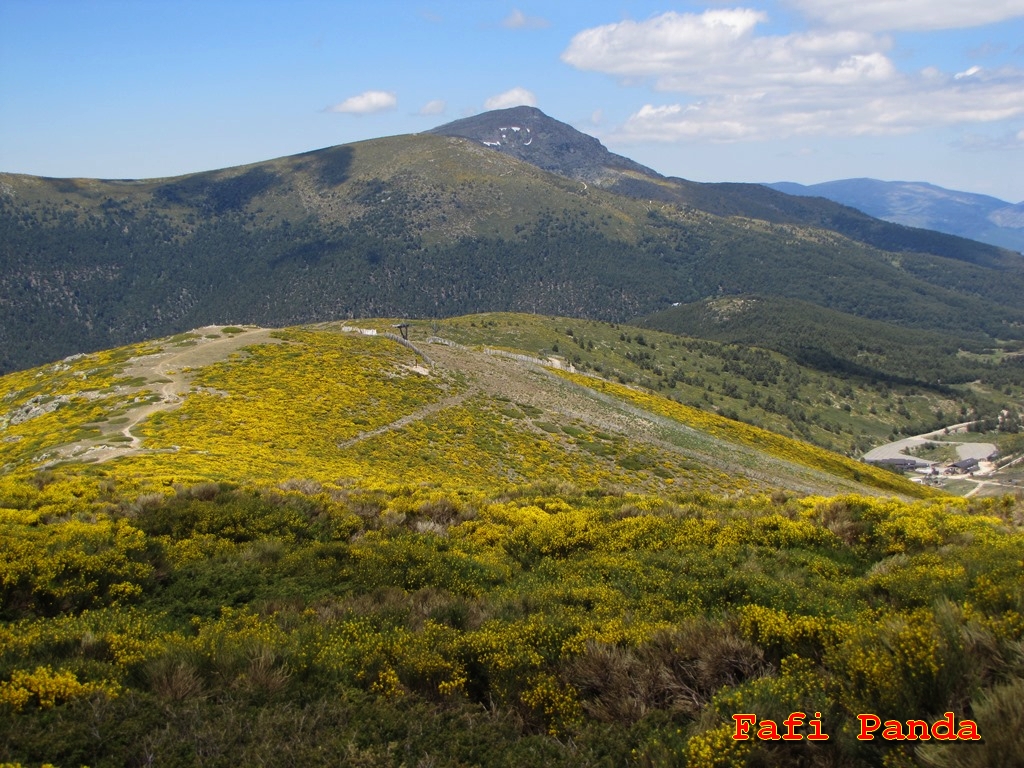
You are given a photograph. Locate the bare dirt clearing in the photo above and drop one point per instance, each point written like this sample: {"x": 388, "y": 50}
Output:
{"x": 965, "y": 450}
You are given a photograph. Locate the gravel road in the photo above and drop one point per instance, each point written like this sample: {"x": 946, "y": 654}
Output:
{"x": 896, "y": 450}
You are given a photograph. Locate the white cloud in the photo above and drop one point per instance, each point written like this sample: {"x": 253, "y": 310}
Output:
{"x": 892, "y": 15}
{"x": 736, "y": 84}
{"x": 902, "y": 105}
{"x": 718, "y": 50}
{"x": 519, "y": 20}
{"x": 662, "y": 44}
{"x": 366, "y": 103}
{"x": 987, "y": 142}
{"x": 434, "y": 107}
{"x": 515, "y": 97}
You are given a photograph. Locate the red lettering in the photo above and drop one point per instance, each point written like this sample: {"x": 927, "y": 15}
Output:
{"x": 893, "y": 731}
{"x": 868, "y": 725}
{"x": 743, "y": 723}
{"x": 968, "y": 731}
{"x": 946, "y": 723}
{"x": 794, "y": 721}
{"x": 767, "y": 729}
{"x": 815, "y": 725}
{"x": 921, "y": 731}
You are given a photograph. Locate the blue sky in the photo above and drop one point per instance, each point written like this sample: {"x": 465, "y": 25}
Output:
{"x": 795, "y": 90}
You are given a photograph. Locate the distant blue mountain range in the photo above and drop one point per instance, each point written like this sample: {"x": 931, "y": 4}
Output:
{"x": 917, "y": 204}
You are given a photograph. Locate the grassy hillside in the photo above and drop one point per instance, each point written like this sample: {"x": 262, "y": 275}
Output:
{"x": 846, "y": 345}
{"x": 325, "y": 404}
{"x": 844, "y": 397}
{"x": 319, "y": 547}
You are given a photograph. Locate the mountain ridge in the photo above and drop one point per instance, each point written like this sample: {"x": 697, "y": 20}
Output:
{"x": 923, "y": 205}
{"x": 577, "y": 155}
{"x": 430, "y": 225}
{"x": 442, "y": 412}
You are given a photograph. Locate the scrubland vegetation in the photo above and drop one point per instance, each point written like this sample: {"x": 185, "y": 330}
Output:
{"x": 325, "y": 624}
{"x": 843, "y": 399}
{"x": 325, "y": 556}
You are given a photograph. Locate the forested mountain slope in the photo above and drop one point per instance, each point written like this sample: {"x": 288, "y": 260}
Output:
{"x": 434, "y": 226}
{"x": 841, "y": 343}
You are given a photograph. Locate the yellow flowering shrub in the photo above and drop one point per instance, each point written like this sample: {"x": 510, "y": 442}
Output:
{"x": 918, "y": 580}
{"x": 412, "y": 587}
{"x": 554, "y": 701}
{"x": 775, "y": 531}
{"x": 784, "y": 633}
{"x": 70, "y": 564}
{"x": 390, "y": 660}
{"x": 45, "y": 688}
{"x": 716, "y": 748}
{"x": 890, "y": 663}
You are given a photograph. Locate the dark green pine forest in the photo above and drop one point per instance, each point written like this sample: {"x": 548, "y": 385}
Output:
{"x": 431, "y": 226}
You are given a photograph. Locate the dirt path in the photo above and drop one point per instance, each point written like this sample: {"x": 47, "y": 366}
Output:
{"x": 422, "y": 413}
{"x": 998, "y": 487}
{"x": 169, "y": 381}
{"x": 978, "y": 485}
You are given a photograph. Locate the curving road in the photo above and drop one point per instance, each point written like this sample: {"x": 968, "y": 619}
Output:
{"x": 895, "y": 450}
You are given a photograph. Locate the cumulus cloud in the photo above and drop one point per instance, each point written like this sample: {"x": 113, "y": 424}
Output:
{"x": 892, "y": 15}
{"x": 662, "y": 44}
{"x": 366, "y": 103}
{"x": 718, "y": 50}
{"x": 519, "y": 20}
{"x": 735, "y": 83}
{"x": 433, "y": 107}
{"x": 515, "y": 97}
{"x": 899, "y": 106}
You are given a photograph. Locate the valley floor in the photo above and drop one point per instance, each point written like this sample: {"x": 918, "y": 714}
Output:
{"x": 989, "y": 479}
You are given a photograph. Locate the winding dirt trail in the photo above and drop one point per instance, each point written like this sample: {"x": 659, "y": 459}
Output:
{"x": 169, "y": 381}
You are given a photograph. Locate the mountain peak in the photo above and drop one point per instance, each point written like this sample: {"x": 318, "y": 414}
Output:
{"x": 528, "y": 134}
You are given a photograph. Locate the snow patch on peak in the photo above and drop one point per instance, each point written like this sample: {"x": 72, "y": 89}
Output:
{"x": 510, "y": 135}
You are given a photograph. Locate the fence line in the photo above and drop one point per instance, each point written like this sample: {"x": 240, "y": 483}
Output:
{"x": 392, "y": 337}
{"x": 547, "y": 362}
